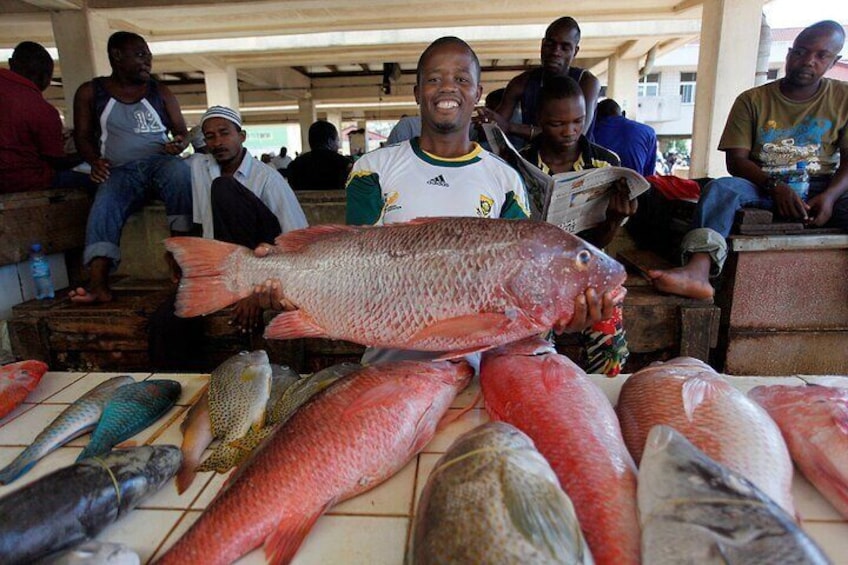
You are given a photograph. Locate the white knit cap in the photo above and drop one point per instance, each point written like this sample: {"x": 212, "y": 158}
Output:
{"x": 222, "y": 112}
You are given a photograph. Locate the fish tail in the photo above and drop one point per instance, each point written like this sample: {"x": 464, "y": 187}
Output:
{"x": 222, "y": 459}
{"x": 15, "y": 469}
{"x": 284, "y": 541}
{"x": 208, "y": 283}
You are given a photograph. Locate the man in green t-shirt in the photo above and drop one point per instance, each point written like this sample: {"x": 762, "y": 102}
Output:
{"x": 799, "y": 121}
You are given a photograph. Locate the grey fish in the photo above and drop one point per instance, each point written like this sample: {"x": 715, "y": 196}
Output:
{"x": 292, "y": 398}
{"x": 79, "y": 501}
{"x": 695, "y": 510}
{"x": 493, "y": 498}
{"x": 131, "y": 409}
{"x": 93, "y": 552}
{"x": 282, "y": 377}
{"x": 77, "y": 419}
{"x": 238, "y": 393}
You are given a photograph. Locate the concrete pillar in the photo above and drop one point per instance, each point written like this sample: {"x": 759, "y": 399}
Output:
{"x": 81, "y": 38}
{"x": 306, "y": 116}
{"x": 623, "y": 84}
{"x": 729, "y": 41}
{"x": 335, "y": 118}
{"x": 221, "y": 87}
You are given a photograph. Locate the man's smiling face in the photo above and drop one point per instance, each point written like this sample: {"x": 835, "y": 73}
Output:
{"x": 448, "y": 88}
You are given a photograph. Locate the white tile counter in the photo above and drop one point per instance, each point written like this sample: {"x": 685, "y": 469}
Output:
{"x": 372, "y": 528}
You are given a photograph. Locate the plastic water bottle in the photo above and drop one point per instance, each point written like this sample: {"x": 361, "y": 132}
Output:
{"x": 40, "y": 268}
{"x": 799, "y": 180}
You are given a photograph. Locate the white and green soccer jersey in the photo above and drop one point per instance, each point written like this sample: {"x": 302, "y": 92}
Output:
{"x": 401, "y": 182}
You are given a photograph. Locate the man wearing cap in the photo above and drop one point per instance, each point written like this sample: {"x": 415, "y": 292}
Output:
{"x": 121, "y": 127}
{"x": 236, "y": 198}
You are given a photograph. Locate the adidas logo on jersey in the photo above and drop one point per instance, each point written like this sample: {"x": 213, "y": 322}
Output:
{"x": 439, "y": 181}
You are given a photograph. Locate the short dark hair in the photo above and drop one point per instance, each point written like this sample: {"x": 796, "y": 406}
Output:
{"x": 566, "y": 22}
{"x": 559, "y": 88}
{"x": 321, "y": 133}
{"x": 824, "y": 27}
{"x": 119, "y": 39}
{"x": 608, "y": 107}
{"x": 448, "y": 39}
{"x": 493, "y": 99}
{"x": 31, "y": 60}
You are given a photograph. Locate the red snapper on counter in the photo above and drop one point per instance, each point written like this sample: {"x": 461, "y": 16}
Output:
{"x": 435, "y": 284}
{"x": 715, "y": 416}
{"x": 573, "y": 425}
{"x": 814, "y": 422}
{"x": 350, "y": 438}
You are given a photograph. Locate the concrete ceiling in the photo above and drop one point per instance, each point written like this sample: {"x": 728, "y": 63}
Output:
{"x": 335, "y": 49}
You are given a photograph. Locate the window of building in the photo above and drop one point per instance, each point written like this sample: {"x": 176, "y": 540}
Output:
{"x": 649, "y": 85}
{"x": 687, "y": 88}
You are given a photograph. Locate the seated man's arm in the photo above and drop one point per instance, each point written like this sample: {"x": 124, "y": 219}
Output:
{"x": 85, "y": 132}
{"x": 787, "y": 202}
{"x": 591, "y": 87}
{"x": 503, "y": 114}
{"x": 821, "y": 205}
{"x": 179, "y": 131}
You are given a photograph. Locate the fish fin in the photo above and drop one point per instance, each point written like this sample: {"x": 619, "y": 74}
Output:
{"x": 382, "y": 394}
{"x": 427, "y": 220}
{"x": 547, "y": 518}
{"x": 294, "y": 324}
{"x": 185, "y": 476}
{"x": 221, "y": 460}
{"x": 284, "y": 541}
{"x": 297, "y": 240}
{"x": 206, "y": 277}
{"x": 460, "y": 353}
{"x": 470, "y": 325}
{"x": 695, "y": 391}
{"x": 554, "y": 370}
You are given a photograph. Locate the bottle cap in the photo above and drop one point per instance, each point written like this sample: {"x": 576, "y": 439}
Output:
{"x": 801, "y": 165}
{"x": 36, "y": 247}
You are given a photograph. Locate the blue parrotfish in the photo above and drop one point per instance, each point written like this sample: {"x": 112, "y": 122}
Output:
{"x": 131, "y": 409}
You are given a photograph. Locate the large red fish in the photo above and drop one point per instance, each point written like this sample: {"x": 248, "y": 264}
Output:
{"x": 715, "y": 416}
{"x": 435, "y": 284}
{"x": 814, "y": 423}
{"x": 17, "y": 380}
{"x": 573, "y": 425}
{"x": 358, "y": 433}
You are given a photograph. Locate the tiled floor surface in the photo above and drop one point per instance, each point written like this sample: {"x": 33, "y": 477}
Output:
{"x": 370, "y": 529}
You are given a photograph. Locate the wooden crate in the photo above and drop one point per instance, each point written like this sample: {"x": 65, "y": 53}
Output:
{"x": 55, "y": 218}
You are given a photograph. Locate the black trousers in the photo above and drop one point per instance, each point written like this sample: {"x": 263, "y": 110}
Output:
{"x": 238, "y": 216}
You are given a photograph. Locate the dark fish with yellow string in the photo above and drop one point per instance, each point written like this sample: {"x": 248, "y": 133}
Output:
{"x": 77, "y": 502}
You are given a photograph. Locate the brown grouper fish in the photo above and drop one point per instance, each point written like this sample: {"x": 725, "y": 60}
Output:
{"x": 455, "y": 285}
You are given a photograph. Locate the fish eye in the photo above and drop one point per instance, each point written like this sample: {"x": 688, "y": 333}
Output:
{"x": 584, "y": 258}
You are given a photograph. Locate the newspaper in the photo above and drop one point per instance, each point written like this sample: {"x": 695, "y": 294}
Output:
{"x": 575, "y": 201}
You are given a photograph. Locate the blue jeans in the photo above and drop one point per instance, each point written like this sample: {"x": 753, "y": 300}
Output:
{"x": 721, "y": 198}
{"x": 126, "y": 190}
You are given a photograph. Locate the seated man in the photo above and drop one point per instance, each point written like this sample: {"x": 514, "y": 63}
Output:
{"x": 634, "y": 143}
{"x": 282, "y": 161}
{"x": 559, "y": 47}
{"x": 442, "y": 173}
{"x": 321, "y": 168}
{"x": 121, "y": 129}
{"x": 238, "y": 199}
{"x": 800, "y": 117}
{"x": 562, "y": 148}
{"x": 32, "y": 154}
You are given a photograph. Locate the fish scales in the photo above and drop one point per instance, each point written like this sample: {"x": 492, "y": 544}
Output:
{"x": 695, "y": 510}
{"x": 438, "y": 284}
{"x": 572, "y": 424}
{"x": 814, "y": 423}
{"x": 493, "y": 498}
{"x": 691, "y": 397}
{"x": 356, "y": 434}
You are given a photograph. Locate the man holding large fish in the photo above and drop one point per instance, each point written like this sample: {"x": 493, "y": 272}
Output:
{"x": 410, "y": 279}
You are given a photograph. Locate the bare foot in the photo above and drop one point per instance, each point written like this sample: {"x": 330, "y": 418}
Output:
{"x": 82, "y": 296}
{"x": 682, "y": 281}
